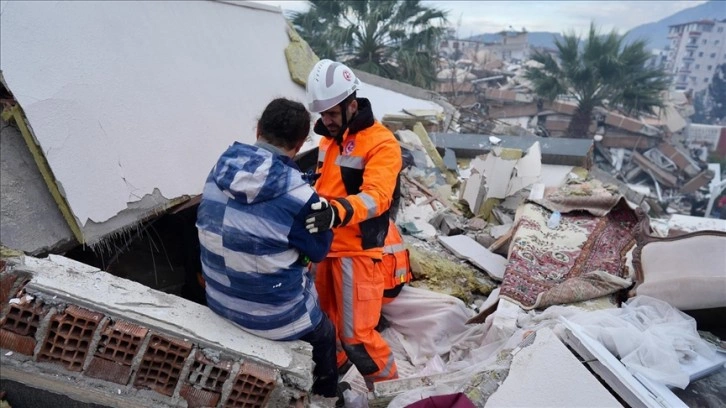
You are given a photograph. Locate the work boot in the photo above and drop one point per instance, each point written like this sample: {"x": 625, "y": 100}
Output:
{"x": 342, "y": 386}
{"x": 325, "y": 386}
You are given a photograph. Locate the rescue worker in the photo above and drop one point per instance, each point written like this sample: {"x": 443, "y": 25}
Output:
{"x": 358, "y": 161}
{"x": 255, "y": 249}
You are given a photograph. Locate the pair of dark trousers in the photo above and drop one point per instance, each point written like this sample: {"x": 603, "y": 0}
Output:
{"x": 325, "y": 373}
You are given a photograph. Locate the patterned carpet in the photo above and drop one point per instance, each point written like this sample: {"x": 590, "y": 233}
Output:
{"x": 583, "y": 258}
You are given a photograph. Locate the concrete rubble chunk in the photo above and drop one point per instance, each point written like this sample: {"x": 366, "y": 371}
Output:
{"x": 543, "y": 374}
{"x": 467, "y": 248}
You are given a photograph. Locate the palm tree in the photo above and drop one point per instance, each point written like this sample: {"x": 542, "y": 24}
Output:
{"x": 395, "y": 39}
{"x": 601, "y": 71}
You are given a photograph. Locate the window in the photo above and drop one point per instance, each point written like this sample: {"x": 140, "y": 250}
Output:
{"x": 704, "y": 41}
{"x": 717, "y": 41}
{"x": 700, "y": 54}
{"x": 709, "y": 67}
{"x": 713, "y": 55}
{"x": 705, "y": 80}
{"x": 720, "y": 30}
{"x": 698, "y": 66}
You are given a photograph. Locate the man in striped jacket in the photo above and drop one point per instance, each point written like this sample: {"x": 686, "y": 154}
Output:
{"x": 255, "y": 249}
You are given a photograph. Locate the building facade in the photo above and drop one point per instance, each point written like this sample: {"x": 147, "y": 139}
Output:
{"x": 695, "y": 50}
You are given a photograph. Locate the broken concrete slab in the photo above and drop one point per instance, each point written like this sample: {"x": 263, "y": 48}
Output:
{"x": 497, "y": 169}
{"x": 562, "y": 151}
{"x": 467, "y": 248}
{"x": 543, "y": 373}
{"x": 664, "y": 177}
{"x": 447, "y": 224}
{"x": 700, "y": 180}
{"x": 27, "y": 201}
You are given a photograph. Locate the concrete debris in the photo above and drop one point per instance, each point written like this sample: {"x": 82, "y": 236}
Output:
{"x": 467, "y": 248}
{"x": 484, "y": 174}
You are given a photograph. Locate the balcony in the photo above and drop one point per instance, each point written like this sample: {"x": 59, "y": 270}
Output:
{"x": 691, "y": 46}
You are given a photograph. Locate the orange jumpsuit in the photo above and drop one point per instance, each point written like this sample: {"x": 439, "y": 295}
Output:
{"x": 358, "y": 174}
{"x": 396, "y": 265}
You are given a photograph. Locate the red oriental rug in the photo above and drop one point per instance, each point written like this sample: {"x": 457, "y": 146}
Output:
{"x": 583, "y": 258}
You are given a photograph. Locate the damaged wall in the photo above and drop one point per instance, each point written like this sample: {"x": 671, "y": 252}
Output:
{"x": 26, "y": 201}
{"x": 125, "y": 98}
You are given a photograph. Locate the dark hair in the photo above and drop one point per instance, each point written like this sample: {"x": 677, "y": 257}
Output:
{"x": 284, "y": 123}
{"x": 350, "y": 98}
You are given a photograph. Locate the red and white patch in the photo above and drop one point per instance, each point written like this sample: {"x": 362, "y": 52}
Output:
{"x": 347, "y": 75}
{"x": 349, "y": 146}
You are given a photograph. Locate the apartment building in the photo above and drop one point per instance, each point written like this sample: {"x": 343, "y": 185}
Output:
{"x": 695, "y": 50}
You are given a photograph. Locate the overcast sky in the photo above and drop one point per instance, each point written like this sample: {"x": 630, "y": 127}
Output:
{"x": 479, "y": 17}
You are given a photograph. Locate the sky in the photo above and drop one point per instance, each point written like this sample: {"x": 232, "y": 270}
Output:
{"x": 478, "y": 17}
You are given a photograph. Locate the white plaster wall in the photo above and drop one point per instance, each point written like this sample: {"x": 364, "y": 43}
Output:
{"x": 125, "y": 97}
{"x": 128, "y": 97}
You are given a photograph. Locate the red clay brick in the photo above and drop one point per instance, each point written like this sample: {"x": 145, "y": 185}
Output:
{"x": 7, "y": 280}
{"x": 15, "y": 342}
{"x": 69, "y": 336}
{"x": 252, "y": 387}
{"x": 196, "y": 397}
{"x": 208, "y": 374}
{"x": 108, "y": 370}
{"x": 120, "y": 341}
{"x": 162, "y": 364}
{"x": 23, "y": 319}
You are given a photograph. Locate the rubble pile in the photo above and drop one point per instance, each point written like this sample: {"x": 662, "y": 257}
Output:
{"x": 516, "y": 251}
{"x": 662, "y": 158}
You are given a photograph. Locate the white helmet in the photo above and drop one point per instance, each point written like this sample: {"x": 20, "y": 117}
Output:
{"x": 329, "y": 83}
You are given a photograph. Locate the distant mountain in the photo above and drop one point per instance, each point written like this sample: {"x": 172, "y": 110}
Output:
{"x": 655, "y": 33}
{"x": 535, "y": 38}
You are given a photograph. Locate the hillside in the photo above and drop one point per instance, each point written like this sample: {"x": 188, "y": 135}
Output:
{"x": 654, "y": 33}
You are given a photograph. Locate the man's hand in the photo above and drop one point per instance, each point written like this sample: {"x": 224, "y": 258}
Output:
{"x": 311, "y": 177}
{"x": 323, "y": 217}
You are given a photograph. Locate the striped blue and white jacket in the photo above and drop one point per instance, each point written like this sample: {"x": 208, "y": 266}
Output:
{"x": 251, "y": 224}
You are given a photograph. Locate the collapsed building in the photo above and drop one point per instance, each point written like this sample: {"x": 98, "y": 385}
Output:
{"x": 521, "y": 248}
{"x": 662, "y": 156}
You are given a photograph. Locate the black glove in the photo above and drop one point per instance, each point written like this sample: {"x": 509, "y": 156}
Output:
{"x": 323, "y": 217}
{"x": 311, "y": 177}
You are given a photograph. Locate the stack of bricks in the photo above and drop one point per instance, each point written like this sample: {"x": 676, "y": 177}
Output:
{"x": 109, "y": 348}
